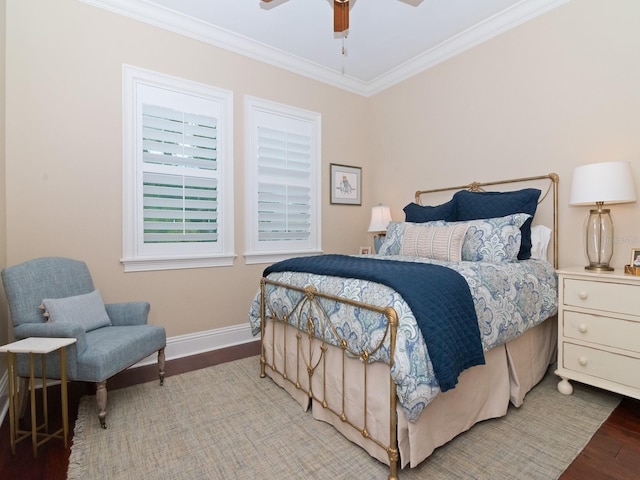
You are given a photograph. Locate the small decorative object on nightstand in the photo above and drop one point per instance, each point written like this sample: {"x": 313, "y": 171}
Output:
{"x": 380, "y": 218}
{"x": 634, "y": 265}
{"x": 599, "y": 330}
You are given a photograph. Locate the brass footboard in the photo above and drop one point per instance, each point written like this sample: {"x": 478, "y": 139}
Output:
{"x": 313, "y": 324}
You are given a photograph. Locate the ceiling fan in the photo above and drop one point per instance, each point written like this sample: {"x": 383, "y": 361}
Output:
{"x": 340, "y": 15}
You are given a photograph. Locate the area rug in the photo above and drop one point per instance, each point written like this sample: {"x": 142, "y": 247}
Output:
{"x": 225, "y": 422}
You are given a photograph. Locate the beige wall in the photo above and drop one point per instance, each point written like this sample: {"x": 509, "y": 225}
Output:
{"x": 4, "y": 327}
{"x": 557, "y": 92}
{"x": 64, "y": 152}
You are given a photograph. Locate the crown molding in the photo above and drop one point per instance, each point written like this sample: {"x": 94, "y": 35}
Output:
{"x": 506, "y": 20}
{"x": 152, "y": 14}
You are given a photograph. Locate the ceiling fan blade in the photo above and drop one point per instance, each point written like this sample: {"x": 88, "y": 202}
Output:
{"x": 340, "y": 15}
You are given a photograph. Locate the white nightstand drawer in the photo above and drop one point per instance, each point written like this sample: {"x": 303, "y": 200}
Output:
{"x": 599, "y": 363}
{"x": 602, "y": 295}
{"x": 613, "y": 332}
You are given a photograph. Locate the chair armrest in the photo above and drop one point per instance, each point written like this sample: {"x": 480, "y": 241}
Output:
{"x": 128, "y": 313}
{"x": 53, "y": 330}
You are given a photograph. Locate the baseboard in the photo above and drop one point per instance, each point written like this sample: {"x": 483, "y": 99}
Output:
{"x": 177, "y": 347}
{"x": 201, "y": 342}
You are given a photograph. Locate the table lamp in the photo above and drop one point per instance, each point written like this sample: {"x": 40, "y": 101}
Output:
{"x": 600, "y": 183}
{"x": 380, "y": 218}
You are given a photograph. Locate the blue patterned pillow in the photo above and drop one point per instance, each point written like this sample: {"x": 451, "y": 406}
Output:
{"x": 479, "y": 205}
{"x": 392, "y": 244}
{"x": 494, "y": 240}
{"x": 424, "y": 213}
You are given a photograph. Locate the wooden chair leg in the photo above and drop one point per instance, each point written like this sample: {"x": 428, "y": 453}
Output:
{"x": 23, "y": 392}
{"x": 101, "y": 400}
{"x": 161, "y": 365}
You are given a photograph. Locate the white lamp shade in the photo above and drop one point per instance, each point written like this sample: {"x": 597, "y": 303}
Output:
{"x": 607, "y": 182}
{"x": 380, "y": 218}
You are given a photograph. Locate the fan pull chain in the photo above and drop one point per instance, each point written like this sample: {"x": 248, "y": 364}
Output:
{"x": 344, "y": 52}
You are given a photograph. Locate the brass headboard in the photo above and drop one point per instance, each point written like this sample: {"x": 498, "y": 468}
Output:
{"x": 552, "y": 178}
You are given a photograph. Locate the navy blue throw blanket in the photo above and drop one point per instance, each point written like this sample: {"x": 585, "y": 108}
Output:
{"x": 438, "y": 296}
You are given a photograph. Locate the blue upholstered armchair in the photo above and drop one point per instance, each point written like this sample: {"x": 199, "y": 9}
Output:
{"x": 55, "y": 297}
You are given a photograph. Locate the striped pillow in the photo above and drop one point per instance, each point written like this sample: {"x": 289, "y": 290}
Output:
{"x": 437, "y": 243}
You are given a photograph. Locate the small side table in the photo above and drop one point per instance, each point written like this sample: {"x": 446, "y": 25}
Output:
{"x": 34, "y": 346}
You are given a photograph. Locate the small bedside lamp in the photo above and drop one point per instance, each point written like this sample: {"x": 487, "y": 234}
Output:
{"x": 380, "y": 218}
{"x": 610, "y": 182}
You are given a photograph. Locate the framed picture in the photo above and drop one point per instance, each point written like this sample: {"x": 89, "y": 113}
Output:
{"x": 346, "y": 184}
{"x": 365, "y": 250}
{"x": 635, "y": 257}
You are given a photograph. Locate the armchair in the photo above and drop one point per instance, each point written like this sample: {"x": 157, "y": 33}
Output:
{"x": 62, "y": 288}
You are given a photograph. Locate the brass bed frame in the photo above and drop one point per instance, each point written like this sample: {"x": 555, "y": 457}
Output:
{"x": 309, "y": 307}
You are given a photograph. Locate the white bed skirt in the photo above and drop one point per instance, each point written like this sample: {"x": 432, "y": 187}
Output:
{"x": 483, "y": 392}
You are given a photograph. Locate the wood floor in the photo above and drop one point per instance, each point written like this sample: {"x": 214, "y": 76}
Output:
{"x": 612, "y": 454}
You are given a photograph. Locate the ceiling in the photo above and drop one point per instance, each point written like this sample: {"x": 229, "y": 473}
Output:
{"x": 387, "y": 42}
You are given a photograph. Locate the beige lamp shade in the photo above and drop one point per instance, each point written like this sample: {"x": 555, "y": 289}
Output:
{"x": 606, "y": 182}
{"x": 380, "y": 218}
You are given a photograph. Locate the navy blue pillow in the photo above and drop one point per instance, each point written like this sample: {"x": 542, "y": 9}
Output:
{"x": 477, "y": 205}
{"x": 423, "y": 213}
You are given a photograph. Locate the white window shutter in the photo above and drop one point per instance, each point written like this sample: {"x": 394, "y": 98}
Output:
{"x": 178, "y": 207}
{"x": 171, "y": 137}
{"x": 283, "y": 177}
{"x": 284, "y": 185}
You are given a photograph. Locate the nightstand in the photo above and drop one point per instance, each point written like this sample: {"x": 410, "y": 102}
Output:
{"x": 599, "y": 330}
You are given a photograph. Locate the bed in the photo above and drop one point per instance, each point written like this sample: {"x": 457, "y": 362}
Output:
{"x": 371, "y": 354}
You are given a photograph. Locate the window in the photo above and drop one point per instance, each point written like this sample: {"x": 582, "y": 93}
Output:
{"x": 283, "y": 181}
{"x": 178, "y": 173}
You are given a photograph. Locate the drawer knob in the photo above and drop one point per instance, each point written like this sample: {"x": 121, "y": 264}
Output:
{"x": 582, "y": 328}
{"x": 583, "y": 295}
{"x": 582, "y": 361}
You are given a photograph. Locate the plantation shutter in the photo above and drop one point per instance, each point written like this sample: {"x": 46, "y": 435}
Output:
{"x": 284, "y": 185}
{"x": 180, "y": 176}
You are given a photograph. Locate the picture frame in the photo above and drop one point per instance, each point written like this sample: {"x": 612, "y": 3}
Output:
{"x": 635, "y": 257}
{"x": 346, "y": 184}
{"x": 365, "y": 250}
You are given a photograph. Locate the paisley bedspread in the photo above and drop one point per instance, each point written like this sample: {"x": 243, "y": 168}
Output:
{"x": 509, "y": 298}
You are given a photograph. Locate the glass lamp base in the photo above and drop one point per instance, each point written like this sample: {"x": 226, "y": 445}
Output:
{"x": 599, "y": 268}
{"x": 599, "y": 239}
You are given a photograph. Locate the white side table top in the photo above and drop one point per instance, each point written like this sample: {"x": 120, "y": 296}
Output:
{"x": 37, "y": 345}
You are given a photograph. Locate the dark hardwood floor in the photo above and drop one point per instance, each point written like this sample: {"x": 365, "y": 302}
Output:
{"x": 614, "y": 451}
{"x": 612, "y": 454}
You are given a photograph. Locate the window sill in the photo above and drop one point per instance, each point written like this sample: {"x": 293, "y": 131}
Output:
{"x": 256, "y": 258}
{"x": 164, "y": 263}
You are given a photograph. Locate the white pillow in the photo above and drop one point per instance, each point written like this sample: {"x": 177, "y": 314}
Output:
{"x": 438, "y": 242}
{"x": 540, "y": 237}
{"x": 87, "y": 310}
